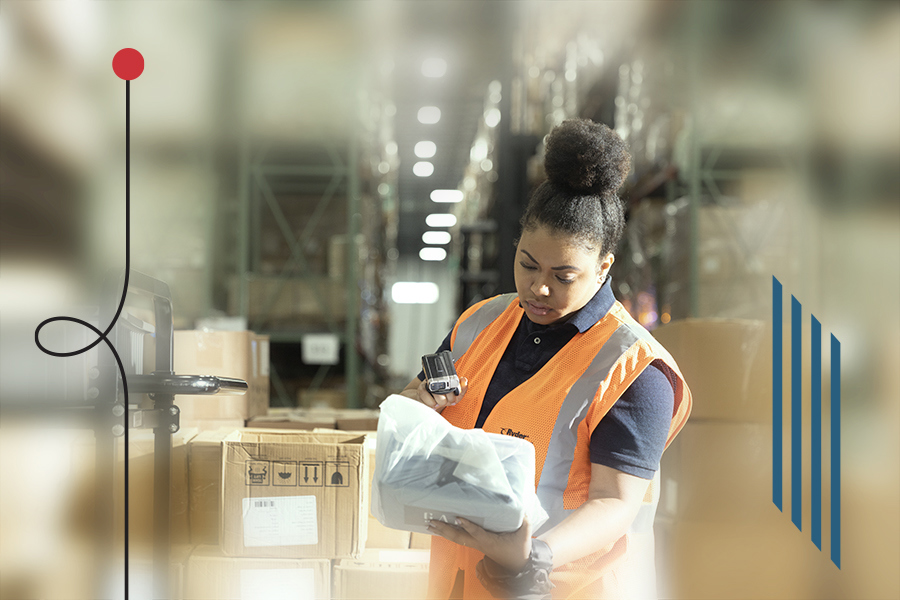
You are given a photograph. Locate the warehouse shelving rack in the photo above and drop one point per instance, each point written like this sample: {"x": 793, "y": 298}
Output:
{"x": 714, "y": 163}
{"x": 261, "y": 183}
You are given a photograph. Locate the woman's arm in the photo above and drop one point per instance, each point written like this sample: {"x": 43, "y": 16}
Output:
{"x": 614, "y": 499}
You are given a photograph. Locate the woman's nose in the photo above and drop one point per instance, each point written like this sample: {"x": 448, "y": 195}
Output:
{"x": 539, "y": 288}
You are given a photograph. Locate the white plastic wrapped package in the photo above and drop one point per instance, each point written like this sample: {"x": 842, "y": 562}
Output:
{"x": 427, "y": 469}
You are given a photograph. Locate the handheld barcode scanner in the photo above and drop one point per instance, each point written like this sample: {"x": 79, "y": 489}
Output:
{"x": 440, "y": 375}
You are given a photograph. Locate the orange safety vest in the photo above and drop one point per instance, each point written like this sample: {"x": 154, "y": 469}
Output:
{"x": 557, "y": 410}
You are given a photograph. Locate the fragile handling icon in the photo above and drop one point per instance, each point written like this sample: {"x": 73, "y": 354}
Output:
{"x": 257, "y": 472}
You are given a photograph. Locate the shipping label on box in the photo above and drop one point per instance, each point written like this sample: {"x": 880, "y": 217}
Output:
{"x": 293, "y": 494}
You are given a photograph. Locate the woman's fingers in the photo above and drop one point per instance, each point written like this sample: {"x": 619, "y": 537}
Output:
{"x": 463, "y": 386}
{"x": 440, "y": 401}
{"x": 457, "y": 535}
{"x": 510, "y": 550}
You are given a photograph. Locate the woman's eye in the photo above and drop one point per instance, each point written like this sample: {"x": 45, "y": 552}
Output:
{"x": 528, "y": 267}
{"x": 565, "y": 281}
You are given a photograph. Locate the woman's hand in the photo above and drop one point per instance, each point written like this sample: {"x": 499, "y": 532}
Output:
{"x": 419, "y": 392}
{"x": 509, "y": 550}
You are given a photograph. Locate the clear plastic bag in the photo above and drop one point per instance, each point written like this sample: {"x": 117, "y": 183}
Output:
{"x": 427, "y": 469}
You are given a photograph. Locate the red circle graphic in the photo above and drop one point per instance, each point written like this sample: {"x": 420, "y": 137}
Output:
{"x": 128, "y": 63}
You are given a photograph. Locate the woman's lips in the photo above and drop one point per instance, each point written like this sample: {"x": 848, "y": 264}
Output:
{"x": 538, "y": 309}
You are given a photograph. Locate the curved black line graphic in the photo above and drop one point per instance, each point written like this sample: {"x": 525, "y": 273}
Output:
{"x": 102, "y": 336}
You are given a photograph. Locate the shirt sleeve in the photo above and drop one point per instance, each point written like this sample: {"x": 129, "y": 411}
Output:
{"x": 632, "y": 436}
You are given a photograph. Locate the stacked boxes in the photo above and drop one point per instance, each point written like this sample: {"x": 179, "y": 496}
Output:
{"x": 278, "y": 510}
{"x": 716, "y": 510}
{"x": 237, "y": 354}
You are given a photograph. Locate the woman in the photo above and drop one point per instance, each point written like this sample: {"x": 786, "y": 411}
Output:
{"x": 562, "y": 364}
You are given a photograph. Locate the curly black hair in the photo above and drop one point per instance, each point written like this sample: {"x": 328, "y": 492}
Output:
{"x": 586, "y": 163}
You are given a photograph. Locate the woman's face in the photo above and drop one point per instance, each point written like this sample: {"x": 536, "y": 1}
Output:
{"x": 555, "y": 276}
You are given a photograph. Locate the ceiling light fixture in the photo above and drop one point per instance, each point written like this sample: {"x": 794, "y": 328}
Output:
{"x": 423, "y": 168}
{"x": 429, "y": 115}
{"x": 415, "y": 292}
{"x": 425, "y": 149}
{"x": 492, "y": 117}
{"x": 437, "y": 238}
{"x": 432, "y": 254}
{"x": 446, "y": 196}
{"x": 440, "y": 220}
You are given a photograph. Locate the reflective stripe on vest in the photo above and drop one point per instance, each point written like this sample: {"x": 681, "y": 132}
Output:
{"x": 561, "y": 451}
{"x": 469, "y": 329}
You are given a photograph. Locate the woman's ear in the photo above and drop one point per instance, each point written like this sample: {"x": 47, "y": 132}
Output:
{"x": 604, "y": 267}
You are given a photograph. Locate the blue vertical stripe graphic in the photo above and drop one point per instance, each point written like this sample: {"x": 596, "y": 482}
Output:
{"x": 815, "y": 338}
{"x": 776, "y": 393}
{"x": 796, "y": 430}
{"x": 796, "y": 426}
{"x": 835, "y": 452}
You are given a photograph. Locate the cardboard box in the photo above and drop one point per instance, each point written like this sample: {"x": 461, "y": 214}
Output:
{"x": 213, "y": 576}
{"x": 141, "y": 576}
{"x": 299, "y": 418}
{"x": 296, "y": 301}
{"x": 724, "y": 364}
{"x": 205, "y": 485}
{"x": 141, "y": 487}
{"x": 259, "y": 383}
{"x": 226, "y": 354}
{"x": 213, "y": 424}
{"x": 295, "y": 495}
{"x": 718, "y": 471}
{"x": 343, "y": 419}
{"x": 322, "y": 399}
{"x": 382, "y": 574}
{"x": 380, "y": 536}
{"x": 359, "y": 419}
{"x": 738, "y": 561}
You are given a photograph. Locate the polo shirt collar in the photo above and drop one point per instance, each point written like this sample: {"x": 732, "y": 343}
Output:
{"x": 595, "y": 309}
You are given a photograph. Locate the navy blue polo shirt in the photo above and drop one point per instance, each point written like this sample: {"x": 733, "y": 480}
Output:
{"x": 632, "y": 435}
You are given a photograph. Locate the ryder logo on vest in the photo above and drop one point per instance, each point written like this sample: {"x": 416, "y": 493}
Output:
{"x": 509, "y": 431}
{"x": 816, "y": 429}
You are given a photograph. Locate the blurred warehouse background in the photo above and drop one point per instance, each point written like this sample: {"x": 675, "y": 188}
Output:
{"x": 351, "y": 174}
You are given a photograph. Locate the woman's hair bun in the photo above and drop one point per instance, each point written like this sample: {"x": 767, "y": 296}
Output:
{"x": 586, "y": 157}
